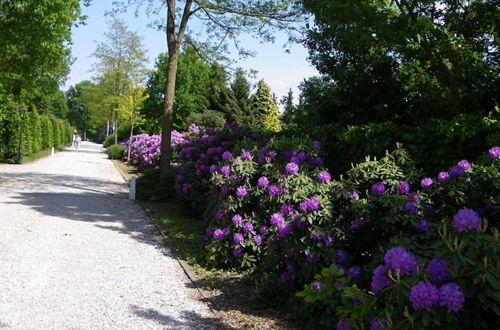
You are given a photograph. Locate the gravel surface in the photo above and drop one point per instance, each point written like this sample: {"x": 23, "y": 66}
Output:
{"x": 75, "y": 253}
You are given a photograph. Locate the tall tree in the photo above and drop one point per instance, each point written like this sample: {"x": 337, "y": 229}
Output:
{"x": 224, "y": 21}
{"x": 78, "y": 98}
{"x": 220, "y": 96}
{"x": 289, "y": 108}
{"x": 121, "y": 61}
{"x": 241, "y": 90}
{"x": 404, "y": 60}
{"x": 35, "y": 43}
{"x": 264, "y": 105}
{"x": 192, "y": 85}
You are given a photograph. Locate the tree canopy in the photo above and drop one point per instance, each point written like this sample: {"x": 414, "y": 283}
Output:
{"x": 402, "y": 60}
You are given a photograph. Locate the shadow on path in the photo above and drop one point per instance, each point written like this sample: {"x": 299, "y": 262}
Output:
{"x": 189, "y": 319}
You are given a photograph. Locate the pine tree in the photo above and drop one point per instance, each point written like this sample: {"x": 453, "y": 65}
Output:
{"x": 264, "y": 106}
{"x": 221, "y": 97}
{"x": 287, "y": 102}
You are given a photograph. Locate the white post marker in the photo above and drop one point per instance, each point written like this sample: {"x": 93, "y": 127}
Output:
{"x": 52, "y": 152}
{"x": 131, "y": 193}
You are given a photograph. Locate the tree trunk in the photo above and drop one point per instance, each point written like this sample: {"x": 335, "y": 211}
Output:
{"x": 130, "y": 141}
{"x": 168, "y": 111}
{"x": 107, "y": 128}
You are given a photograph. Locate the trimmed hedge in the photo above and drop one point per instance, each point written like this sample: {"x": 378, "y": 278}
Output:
{"x": 39, "y": 131}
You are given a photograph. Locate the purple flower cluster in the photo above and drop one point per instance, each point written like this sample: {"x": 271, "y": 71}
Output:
{"x": 403, "y": 188}
{"x": 263, "y": 182}
{"x": 424, "y": 295}
{"x": 323, "y": 177}
{"x": 439, "y": 270}
{"x": 312, "y": 204}
{"x": 241, "y": 192}
{"x": 426, "y": 183}
{"x": 145, "y": 150}
{"x": 378, "y": 188}
{"x": 291, "y": 168}
{"x": 465, "y": 220}
{"x": 422, "y": 226}
{"x": 275, "y": 190}
{"x": 494, "y": 152}
{"x": 398, "y": 259}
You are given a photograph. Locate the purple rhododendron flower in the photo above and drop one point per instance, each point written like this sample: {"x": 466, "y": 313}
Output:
{"x": 303, "y": 206}
{"x": 227, "y": 155}
{"x": 403, "y": 188}
{"x": 456, "y": 171}
{"x": 424, "y": 295}
{"x": 426, "y": 183}
{"x": 286, "y": 208}
{"x": 494, "y": 152}
{"x": 213, "y": 169}
{"x": 443, "y": 176}
{"x": 238, "y": 238}
{"x": 422, "y": 226}
{"x": 378, "y": 188}
{"x": 277, "y": 219}
{"x": 285, "y": 229}
{"x": 464, "y": 163}
{"x": 317, "y": 161}
{"x": 263, "y": 230}
{"x": 353, "y": 271}
{"x": 409, "y": 207}
{"x": 263, "y": 182}
{"x": 380, "y": 279}
{"x": 439, "y": 270}
{"x": 218, "y": 234}
{"x": 342, "y": 325}
{"x": 246, "y": 155}
{"x": 397, "y": 258}
{"x": 315, "y": 236}
{"x": 219, "y": 214}
{"x": 318, "y": 286}
{"x": 193, "y": 128}
{"x": 316, "y": 145}
{"x": 356, "y": 224}
{"x": 224, "y": 190}
{"x": 465, "y": 220}
{"x": 275, "y": 190}
{"x": 238, "y": 252}
{"x": 414, "y": 197}
{"x": 328, "y": 240}
{"x": 323, "y": 177}
{"x": 291, "y": 168}
{"x": 237, "y": 219}
{"x": 241, "y": 192}
{"x": 225, "y": 170}
{"x": 247, "y": 227}
{"x": 353, "y": 194}
{"x": 257, "y": 239}
{"x": 341, "y": 256}
{"x": 452, "y": 297}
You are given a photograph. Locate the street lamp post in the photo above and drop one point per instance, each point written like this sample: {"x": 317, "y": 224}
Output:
{"x": 22, "y": 110}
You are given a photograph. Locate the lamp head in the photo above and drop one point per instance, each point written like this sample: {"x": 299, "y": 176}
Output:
{"x": 22, "y": 111}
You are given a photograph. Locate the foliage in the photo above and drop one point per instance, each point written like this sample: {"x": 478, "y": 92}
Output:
{"x": 79, "y": 102}
{"x": 151, "y": 188}
{"x": 35, "y": 43}
{"x": 108, "y": 141}
{"x": 264, "y": 107}
{"x": 207, "y": 118}
{"x": 404, "y": 61}
{"x": 115, "y": 151}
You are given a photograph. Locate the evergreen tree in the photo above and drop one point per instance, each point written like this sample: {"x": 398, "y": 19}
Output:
{"x": 241, "y": 91}
{"x": 221, "y": 97}
{"x": 264, "y": 106}
{"x": 287, "y": 102}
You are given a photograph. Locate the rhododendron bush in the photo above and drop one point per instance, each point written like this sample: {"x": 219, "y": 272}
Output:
{"x": 381, "y": 245}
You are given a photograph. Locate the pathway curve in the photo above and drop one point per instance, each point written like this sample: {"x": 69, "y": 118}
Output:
{"x": 75, "y": 253}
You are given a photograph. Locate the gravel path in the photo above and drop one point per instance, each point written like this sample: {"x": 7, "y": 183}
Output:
{"x": 75, "y": 253}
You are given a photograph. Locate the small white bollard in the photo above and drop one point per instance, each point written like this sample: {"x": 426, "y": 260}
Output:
{"x": 52, "y": 152}
{"x": 131, "y": 193}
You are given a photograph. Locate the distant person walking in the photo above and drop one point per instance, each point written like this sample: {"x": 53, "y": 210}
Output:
{"x": 78, "y": 140}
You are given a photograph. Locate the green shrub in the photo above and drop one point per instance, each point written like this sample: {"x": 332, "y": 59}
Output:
{"x": 36, "y": 131}
{"x": 150, "y": 187}
{"x": 115, "y": 151}
{"x": 9, "y": 129}
{"x": 207, "y": 118}
{"x": 56, "y": 134}
{"x": 108, "y": 141}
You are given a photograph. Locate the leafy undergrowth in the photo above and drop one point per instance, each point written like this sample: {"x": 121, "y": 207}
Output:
{"x": 227, "y": 293}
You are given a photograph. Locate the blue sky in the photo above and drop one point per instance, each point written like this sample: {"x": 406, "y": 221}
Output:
{"x": 280, "y": 70}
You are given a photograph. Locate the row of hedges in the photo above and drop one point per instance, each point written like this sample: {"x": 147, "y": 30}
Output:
{"x": 432, "y": 145}
{"x": 39, "y": 131}
{"x": 379, "y": 247}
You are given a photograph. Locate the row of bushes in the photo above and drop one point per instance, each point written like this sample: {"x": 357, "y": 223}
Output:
{"x": 431, "y": 145}
{"x": 39, "y": 131}
{"x": 379, "y": 247}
